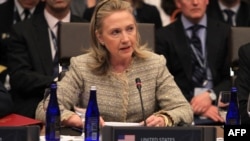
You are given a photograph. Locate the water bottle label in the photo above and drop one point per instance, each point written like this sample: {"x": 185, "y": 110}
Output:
{"x": 92, "y": 128}
{"x": 53, "y": 128}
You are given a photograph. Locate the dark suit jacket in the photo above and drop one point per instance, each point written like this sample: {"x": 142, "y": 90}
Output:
{"x": 145, "y": 14}
{"x": 243, "y": 81}
{"x": 242, "y": 17}
{"x": 172, "y": 42}
{"x": 6, "y": 103}
{"x": 7, "y": 17}
{"x": 30, "y": 63}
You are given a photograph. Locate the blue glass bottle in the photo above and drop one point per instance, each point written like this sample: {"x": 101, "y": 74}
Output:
{"x": 91, "y": 126}
{"x": 233, "y": 115}
{"x": 53, "y": 120}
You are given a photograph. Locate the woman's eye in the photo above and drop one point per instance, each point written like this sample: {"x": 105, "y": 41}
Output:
{"x": 115, "y": 32}
{"x": 130, "y": 28}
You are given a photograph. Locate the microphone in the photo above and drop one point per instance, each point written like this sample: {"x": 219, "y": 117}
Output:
{"x": 138, "y": 85}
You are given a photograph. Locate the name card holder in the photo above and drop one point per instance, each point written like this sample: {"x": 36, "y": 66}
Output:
{"x": 20, "y": 133}
{"x": 187, "y": 133}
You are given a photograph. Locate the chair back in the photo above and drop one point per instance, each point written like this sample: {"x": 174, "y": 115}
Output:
{"x": 239, "y": 37}
{"x": 74, "y": 38}
{"x": 147, "y": 32}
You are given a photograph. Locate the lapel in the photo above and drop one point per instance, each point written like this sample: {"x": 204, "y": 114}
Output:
{"x": 6, "y": 15}
{"x": 218, "y": 13}
{"x": 39, "y": 8}
{"x": 209, "y": 42}
{"x": 242, "y": 15}
{"x": 182, "y": 48}
{"x": 215, "y": 11}
{"x": 43, "y": 43}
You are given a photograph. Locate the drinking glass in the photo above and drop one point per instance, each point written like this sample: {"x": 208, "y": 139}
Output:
{"x": 248, "y": 106}
{"x": 223, "y": 103}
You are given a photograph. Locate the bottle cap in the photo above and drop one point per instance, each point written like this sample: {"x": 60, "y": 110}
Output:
{"x": 233, "y": 89}
{"x": 93, "y": 88}
{"x": 53, "y": 85}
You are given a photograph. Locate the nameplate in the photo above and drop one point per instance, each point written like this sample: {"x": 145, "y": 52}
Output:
{"x": 189, "y": 133}
{"x": 19, "y": 133}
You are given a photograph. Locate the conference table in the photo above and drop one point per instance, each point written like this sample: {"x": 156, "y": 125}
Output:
{"x": 74, "y": 135}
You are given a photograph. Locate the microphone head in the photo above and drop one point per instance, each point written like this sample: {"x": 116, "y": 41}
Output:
{"x": 138, "y": 82}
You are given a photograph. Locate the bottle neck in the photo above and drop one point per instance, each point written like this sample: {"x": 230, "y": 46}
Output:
{"x": 53, "y": 93}
{"x": 233, "y": 96}
{"x": 53, "y": 96}
{"x": 93, "y": 94}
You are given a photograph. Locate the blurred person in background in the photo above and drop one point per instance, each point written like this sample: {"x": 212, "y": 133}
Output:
{"x": 197, "y": 51}
{"x": 33, "y": 55}
{"x": 78, "y": 7}
{"x": 143, "y": 12}
{"x": 6, "y": 103}
{"x": 165, "y": 17}
{"x": 235, "y": 13}
{"x": 242, "y": 82}
{"x": 232, "y": 12}
{"x": 170, "y": 9}
{"x": 2, "y": 1}
{"x": 12, "y": 12}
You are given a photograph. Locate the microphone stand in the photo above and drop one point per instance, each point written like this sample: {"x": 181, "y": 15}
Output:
{"x": 138, "y": 85}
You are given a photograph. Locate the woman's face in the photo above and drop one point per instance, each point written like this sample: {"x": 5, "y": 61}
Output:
{"x": 119, "y": 35}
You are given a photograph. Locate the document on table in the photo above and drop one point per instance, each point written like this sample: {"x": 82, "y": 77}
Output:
{"x": 66, "y": 138}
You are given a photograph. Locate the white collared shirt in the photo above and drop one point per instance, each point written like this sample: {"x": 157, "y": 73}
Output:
{"x": 2, "y": 1}
{"x": 52, "y": 23}
{"x": 20, "y": 10}
{"x": 234, "y": 9}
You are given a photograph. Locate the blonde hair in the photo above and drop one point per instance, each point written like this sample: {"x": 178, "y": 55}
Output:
{"x": 103, "y": 9}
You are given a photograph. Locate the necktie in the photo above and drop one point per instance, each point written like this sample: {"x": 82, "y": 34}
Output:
{"x": 195, "y": 40}
{"x": 26, "y": 13}
{"x": 56, "y": 57}
{"x": 230, "y": 14}
{"x": 199, "y": 70}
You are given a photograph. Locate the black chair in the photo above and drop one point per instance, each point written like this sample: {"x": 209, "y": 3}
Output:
{"x": 239, "y": 37}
